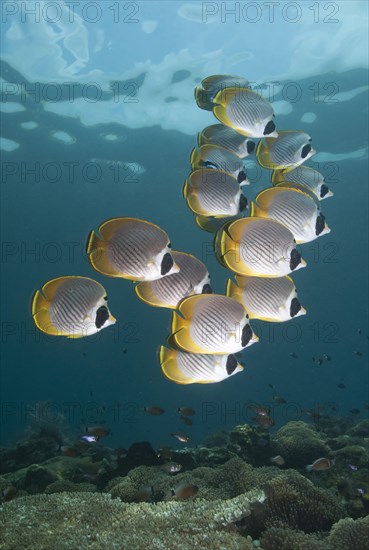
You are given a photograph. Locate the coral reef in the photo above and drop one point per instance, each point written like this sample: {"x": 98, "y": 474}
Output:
{"x": 300, "y": 444}
{"x": 294, "y": 502}
{"x": 65, "y": 486}
{"x": 350, "y": 534}
{"x": 245, "y": 441}
{"x": 290, "y": 539}
{"x": 346, "y": 534}
{"x": 211, "y": 456}
{"x": 33, "y": 450}
{"x": 224, "y": 481}
{"x": 92, "y": 520}
{"x": 103, "y": 498}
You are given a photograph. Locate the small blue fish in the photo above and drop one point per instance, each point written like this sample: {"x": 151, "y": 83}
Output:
{"x": 89, "y": 438}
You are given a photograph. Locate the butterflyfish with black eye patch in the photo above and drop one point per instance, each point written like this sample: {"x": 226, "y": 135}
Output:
{"x": 259, "y": 247}
{"x": 211, "y": 323}
{"x": 290, "y": 149}
{"x": 273, "y": 300}
{"x": 71, "y": 306}
{"x": 245, "y": 111}
{"x": 189, "y": 368}
{"x": 132, "y": 249}
{"x": 293, "y": 208}
{"x": 306, "y": 177}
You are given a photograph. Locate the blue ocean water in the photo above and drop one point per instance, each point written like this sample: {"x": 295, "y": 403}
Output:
{"x": 57, "y": 187}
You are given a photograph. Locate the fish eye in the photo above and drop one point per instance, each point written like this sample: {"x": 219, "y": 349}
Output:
{"x": 102, "y": 315}
{"x": 305, "y": 151}
{"x": 319, "y": 224}
{"x": 294, "y": 307}
{"x": 309, "y": 139}
{"x": 208, "y": 164}
{"x": 166, "y": 264}
{"x": 269, "y": 128}
{"x": 105, "y": 298}
{"x": 169, "y": 245}
{"x": 231, "y": 364}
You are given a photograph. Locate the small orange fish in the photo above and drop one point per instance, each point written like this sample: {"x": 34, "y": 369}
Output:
{"x": 181, "y": 437}
{"x": 97, "y": 431}
{"x": 184, "y": 491}
{"x": 155, "y": 411}
{"x": 145, "y": 493}
{"x": 186, "y": 411}
{"x": 319, "y": 465}
{"x": 279, "y": 460}
{"x": 69, "y": 451}
{"x": 8, "y": 493}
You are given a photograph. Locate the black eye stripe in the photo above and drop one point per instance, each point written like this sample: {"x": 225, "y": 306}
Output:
{"x": 246, "y": 335}
{"x": 295, "y": 259}
{"x": 231, "y": 364}
{"x": 102, "y": 315}
{"x": 166, "y": 263}
{"x": 269, "y": 128}
{"x": 319, "y": 224}
{"x": 305, "y": 151}
{"x": 295, "y": 307}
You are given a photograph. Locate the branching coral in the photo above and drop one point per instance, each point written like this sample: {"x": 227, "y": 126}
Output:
{"x": 63, "y": 485}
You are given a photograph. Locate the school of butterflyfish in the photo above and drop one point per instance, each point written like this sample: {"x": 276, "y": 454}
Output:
{"x": 207, "y": 329}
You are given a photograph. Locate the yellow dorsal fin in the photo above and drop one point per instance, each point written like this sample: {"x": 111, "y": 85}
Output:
{"x": 277, "y": 176}
{"x": 109, "y": 227}
{"x": 51, "y": 287}
{"x": 232, "y": 290}
{"x": 195, "y": 159}
{"x": 226, "y": 95}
